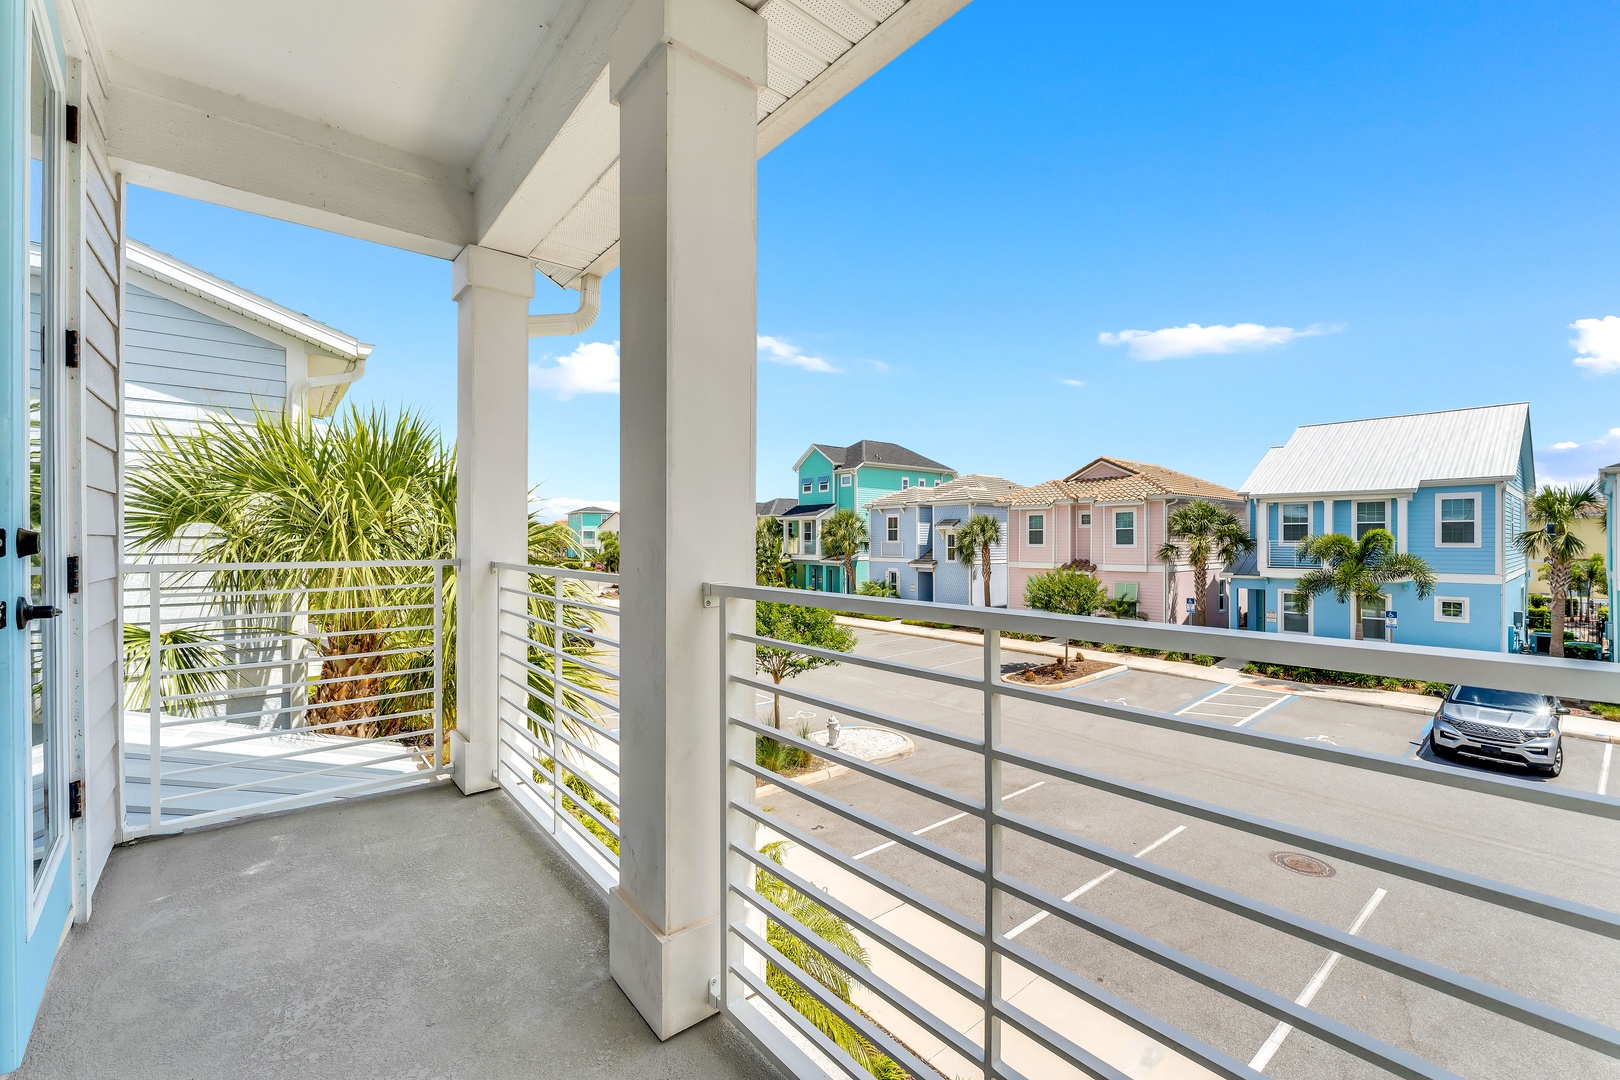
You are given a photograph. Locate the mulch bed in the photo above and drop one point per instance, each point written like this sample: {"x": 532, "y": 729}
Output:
{"x": 1058, "y": 672}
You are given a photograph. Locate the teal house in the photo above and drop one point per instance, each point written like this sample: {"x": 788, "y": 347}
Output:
{"x": 834, "y": 478}
{"x": 590, "y": 522}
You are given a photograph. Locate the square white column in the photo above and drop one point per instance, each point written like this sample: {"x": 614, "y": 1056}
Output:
{"x": 492, "y": 291}
{"x": 684, "y": 74}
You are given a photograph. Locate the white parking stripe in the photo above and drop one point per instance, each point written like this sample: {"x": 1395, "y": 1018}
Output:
{"x": 1246, "y": 704}
{"x": 1603, "y": 774}
{"x": 944, "y": 821}
{"x": 1279, "y": 703}
{"x": 1092, "y": 884}
{"x": 1273, "y": 1044}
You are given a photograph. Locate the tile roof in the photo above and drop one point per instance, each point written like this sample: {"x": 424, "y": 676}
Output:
{"x": 975, "y": 487}
{"x": 870, "y": 452}
{"x": 1395, "y": 453}
{"x": 1143, "y": 481}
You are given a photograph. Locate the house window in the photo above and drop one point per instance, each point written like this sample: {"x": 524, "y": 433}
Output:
{"x": 1373, "y": 625}
{"x": 809, "y": 538}
{"x": 1085, "y": 518}
{"x": 824, "y": 483}
{"x": 1452, "y": 609}
{"x": 923, "y": 482}
{"x": 893, "y": 578}
{"x": 1293, "y": 622}
{"x": 905, "y": 483}
{"x": 1037, "y": 529}
{"x": 1296, "y": 522}
{"x": 805, "y": 487}
{"x": 589, "y": 536}
{"x": 1459, "y": 521}
{"x": 1370, "y": 516}
{"x": 1124, "y": 528}
{"x": 950, "y": 547}
{"x": 893, "y": 534}
{"x": 846, "y": 480}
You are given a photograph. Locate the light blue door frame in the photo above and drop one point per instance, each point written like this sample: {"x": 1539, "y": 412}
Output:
{"x": 33, "y": 919}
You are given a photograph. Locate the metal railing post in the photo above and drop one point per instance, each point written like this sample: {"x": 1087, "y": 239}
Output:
{"x": 992, "y": 849}
{"x": 556, "y": 701}
{"x": 154, "y": 695}
{"x": 438, "y": 665}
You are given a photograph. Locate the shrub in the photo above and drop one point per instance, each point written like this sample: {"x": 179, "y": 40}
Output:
{"x": 877, "y": 588}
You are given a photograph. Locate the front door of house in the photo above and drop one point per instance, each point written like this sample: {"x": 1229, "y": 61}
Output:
{"x": 34, "y": 870}
{"x": 1372, "y": 619}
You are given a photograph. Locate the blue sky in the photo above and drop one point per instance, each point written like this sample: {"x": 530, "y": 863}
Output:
{"x": 1336, "y": 211}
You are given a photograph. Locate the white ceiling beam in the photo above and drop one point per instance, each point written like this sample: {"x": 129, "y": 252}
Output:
{"x": 190, "y": 140}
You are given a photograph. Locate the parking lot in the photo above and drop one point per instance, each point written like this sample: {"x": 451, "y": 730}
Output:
{"x": 1552, "y": 851}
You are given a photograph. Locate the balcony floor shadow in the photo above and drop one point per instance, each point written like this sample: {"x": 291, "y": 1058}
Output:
{"x": 416, "y": 935}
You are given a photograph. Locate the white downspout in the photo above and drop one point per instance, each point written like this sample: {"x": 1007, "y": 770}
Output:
{"x": 572, "y": 322}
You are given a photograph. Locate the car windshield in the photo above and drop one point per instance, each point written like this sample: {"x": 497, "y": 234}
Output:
{"x": 1499, "y": 699}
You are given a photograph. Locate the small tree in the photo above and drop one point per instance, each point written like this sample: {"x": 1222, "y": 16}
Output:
{"x": 974, "y": 539}
{"x": 1552, "y": 540}
{"x": 801, "y": 626}
{"x": 1064, "y": 591}
{"x": 843, "y": 537}
{"x": 771, "y": 565}
{"x": 1207, "y": 531}
{"x": 1356, "y": 572}
{"x": 610, "y": 552}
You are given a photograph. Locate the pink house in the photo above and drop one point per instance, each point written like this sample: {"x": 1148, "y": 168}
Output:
{"x": 1111, "y": 513}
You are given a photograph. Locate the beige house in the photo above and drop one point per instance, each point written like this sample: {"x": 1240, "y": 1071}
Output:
{"x": 1592, "y": 532}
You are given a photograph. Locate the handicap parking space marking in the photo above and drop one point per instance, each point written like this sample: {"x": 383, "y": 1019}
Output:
{"x": 1247, "y": 704}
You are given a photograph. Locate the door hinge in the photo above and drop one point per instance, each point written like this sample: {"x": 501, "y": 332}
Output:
{"x": 76, "y": 799}
{"x": 72, "y": 124}
{"x": 72, "y": 573}
{"x": 72, "y": 348}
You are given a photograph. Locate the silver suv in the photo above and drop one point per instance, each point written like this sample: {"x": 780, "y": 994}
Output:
{"x": 1503, "y": 725}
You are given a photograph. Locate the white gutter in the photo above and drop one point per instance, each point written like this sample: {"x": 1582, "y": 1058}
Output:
{"x": 572, "y": 322}
{"x": 300, "y": 389}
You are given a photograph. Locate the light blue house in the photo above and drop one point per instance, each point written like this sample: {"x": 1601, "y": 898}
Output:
{"x": 1449, "y": 485}
{"x": 850, "y": 477}
{"x": 914, "y": 541}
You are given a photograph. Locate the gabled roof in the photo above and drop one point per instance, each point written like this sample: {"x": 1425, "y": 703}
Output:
{"x": 1395, "y": 453}
{"x": 809, "y": 510}
{"x": 187, "y": 278}
{"x": 871, "y": 452}
{"x": 975, "y": 487}
{"x": 1120, "y": 481}
{"x": 591, "y": 510}
{"x": 774, "y": 507}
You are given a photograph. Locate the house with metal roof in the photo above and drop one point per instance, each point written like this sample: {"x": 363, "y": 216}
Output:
{"x": 832, "y": 478}
{"x": 1450, "y": 486}
{"x": 1111, "y": 515}
{"x": 913, "y": 540}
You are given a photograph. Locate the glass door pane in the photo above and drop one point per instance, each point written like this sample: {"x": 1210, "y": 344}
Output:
{"x": 1372, "y": 620}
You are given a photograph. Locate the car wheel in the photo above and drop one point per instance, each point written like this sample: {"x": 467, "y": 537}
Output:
{"x": 1557, "y": 765}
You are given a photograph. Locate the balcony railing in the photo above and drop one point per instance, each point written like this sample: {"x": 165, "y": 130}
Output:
{"x": 1285, "y": 556}
{"x": 940, "y": 919}
{"x": 252, "y": 687}
{"x": 559, "y": 707}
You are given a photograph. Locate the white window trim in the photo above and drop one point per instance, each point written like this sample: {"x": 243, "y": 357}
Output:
{"x": 1085, "y": 518}
{"x": 1282, "y": 524}
{"x": 905, "y": 485}
{"x": 891, "y": 524}
{"x": 1479, "y": 521}
{"x": 1113, "y": 522}
{"x": 823, "y": 484}
{"x": 1355, "y": 515}
{"x": 1466, "y": 608}
{"x": 1029, "y": 522}
{"x": 1285, "y": 608}
{"x": 807, "y": 486}
{"x": 846, "y": 480}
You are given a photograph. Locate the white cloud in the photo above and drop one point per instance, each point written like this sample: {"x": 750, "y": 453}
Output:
{"x": 1578, "y": 462}
{"x": 1566, "y": 446}
{"x": 1195, "y": 340}
{"x": 1071, "y": 382}
{"x": 562, "y": 505}
{"x": 592, "y": 368}
{"x": 778, "y": 351}
{"x": 1598, "y": 342}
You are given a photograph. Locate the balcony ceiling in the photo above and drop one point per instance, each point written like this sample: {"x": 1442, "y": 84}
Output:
{"x": 425, "y": 124}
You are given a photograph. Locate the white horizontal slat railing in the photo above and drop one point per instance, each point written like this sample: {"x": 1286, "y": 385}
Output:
{"x": 559, "y": 706}
{"x": 926, "y": 1011}
{"x": 254, "y": 687}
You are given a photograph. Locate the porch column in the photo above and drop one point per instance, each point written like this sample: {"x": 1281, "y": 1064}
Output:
{"x": 492, "y": 290}
{"x": 684, "y": 75}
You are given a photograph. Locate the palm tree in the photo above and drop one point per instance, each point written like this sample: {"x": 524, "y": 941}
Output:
{"x": 843, "y": 537}
{"x": 1207, "y": 531}
{"x": 1551, "y": 539}
{"x": 771, "y": 564}
{"x": 974, "y": 539}
{"x": 1356, "y": 572}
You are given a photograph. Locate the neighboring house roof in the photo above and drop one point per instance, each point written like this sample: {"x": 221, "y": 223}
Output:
{"x": 810, "y": 510}
{"x": 870, "y": 452}
{"x": 173, "y": 272}
{"x": 1395, "y": 453}
{"x": 590, "y": 510}
{"x": 1110, "y": 479}
{"x": 975, "y": 487}
{"x": 1245, "y": 565}
{"x": 774, "y": 507}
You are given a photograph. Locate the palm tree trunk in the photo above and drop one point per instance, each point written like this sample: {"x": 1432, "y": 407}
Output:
{"x": 1200, "y": 584}
{"x": 1558, "y": 584}
{"x": 984, "y": 556}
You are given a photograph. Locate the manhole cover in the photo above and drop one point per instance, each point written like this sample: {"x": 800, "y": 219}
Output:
{"x": 1302, "y": 864}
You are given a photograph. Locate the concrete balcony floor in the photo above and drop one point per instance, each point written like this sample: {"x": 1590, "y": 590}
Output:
{"x": 415, "y": 935}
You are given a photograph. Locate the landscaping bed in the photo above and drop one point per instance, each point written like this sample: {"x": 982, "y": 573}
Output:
{"x": 1057, "y": 675}
{"x": 1345, "y": 678}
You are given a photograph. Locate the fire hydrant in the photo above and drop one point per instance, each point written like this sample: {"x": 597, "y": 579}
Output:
{"x": 832, "y": 732}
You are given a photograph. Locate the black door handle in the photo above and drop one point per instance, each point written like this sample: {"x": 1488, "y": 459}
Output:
{"x": 27, "y": 543}
{"x": 27, "y": 613}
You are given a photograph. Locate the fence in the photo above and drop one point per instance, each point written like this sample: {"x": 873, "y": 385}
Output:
{"x": 559, "y": 706}
{"x": 252, "y": 687}
{"x": 940, "y": 918}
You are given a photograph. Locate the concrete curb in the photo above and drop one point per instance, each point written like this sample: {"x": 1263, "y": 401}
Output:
{"x": 1591, "y": 728}
{"x": 831, "y": 772}
{"x": 1093, "y": 677}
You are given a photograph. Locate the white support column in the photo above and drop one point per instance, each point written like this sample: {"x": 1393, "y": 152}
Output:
{"x": 492, "y": 291}
{"x": 684, "y": 75}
